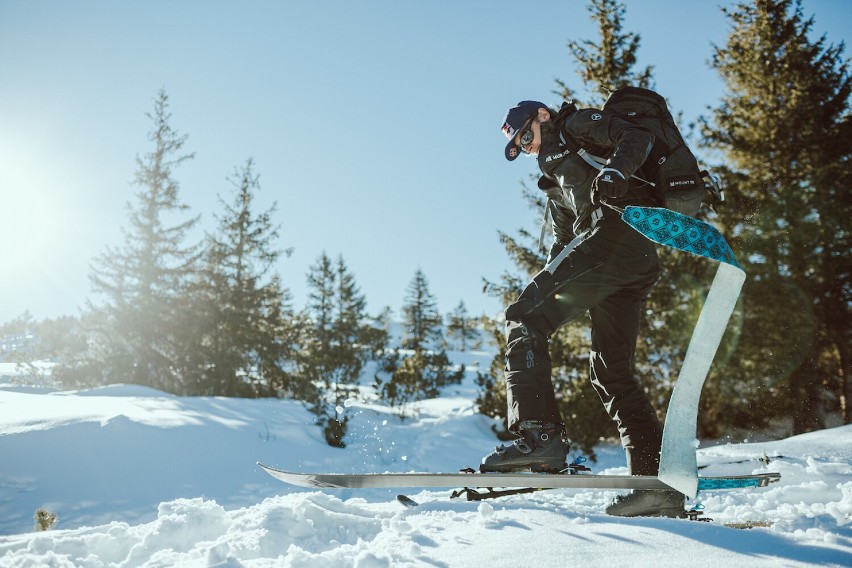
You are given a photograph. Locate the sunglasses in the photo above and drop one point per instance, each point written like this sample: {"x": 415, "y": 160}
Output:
{"x": 527, "y": 135}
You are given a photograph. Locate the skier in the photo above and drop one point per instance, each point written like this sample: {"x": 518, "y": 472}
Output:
{"x": 599, "y": 265}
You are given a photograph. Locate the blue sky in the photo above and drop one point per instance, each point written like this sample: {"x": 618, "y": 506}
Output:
{"x": 374, "y": 125}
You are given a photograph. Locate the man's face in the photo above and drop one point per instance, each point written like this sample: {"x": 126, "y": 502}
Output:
{"x": 528, "y": 138}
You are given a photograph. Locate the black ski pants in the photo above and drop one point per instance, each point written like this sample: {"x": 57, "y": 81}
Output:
{"x": 609, "y": 274}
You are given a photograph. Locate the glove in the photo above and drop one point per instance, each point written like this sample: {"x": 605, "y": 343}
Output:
{"x": 609, "y": 184}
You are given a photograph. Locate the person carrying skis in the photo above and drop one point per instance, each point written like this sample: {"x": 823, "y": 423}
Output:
{"x": 597, "y": 265}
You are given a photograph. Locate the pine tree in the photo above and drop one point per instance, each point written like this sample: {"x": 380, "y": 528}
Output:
{"x": 607, "y": 64}
{"x": 142, "y": 283}
{"x": 422, "y": 319}
{"x": 243, "y": 311}
{"x": 785, "y": 132}
{"x": 17, "y": 339}
{"x": 27, "y": 342}
{"x": 337, "y": 339}
{"x": 462, "y": 328}
{"x": 422, "y": 372}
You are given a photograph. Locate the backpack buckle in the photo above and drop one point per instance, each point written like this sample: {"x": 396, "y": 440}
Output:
{"x": 597, "y": 215}
{"x": 714, "y": 186}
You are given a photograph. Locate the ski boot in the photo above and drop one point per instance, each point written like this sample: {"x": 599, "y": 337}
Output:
{"x": 541, "y": 448}
{"x": 648, "y": 503}
{"x": 645, "y": 460}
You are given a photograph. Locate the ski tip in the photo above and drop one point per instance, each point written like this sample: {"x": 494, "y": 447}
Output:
{"x": 407, "y": 501}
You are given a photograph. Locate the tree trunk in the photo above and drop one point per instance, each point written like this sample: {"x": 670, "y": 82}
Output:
{"x": 845, "y": 394}
{"x": 808, "y": 408}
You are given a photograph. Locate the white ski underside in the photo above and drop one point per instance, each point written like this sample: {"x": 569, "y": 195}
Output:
{"x": 678, "y": 466}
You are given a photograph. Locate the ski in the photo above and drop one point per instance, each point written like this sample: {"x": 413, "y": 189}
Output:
{"x": 523, "y": 480}
{"x": 678, "y": 466}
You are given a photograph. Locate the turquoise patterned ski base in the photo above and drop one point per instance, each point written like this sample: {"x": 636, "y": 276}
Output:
{"x": 710, "y": 483}
{"x": 681, "y": 232}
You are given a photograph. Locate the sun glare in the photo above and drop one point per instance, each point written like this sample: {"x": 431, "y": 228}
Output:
{"x": 36, "y": 227}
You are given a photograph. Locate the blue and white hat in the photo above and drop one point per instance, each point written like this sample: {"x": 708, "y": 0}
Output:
{"x": 514, "y": 121}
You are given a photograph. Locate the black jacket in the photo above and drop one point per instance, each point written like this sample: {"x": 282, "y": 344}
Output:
{"x": 567, "y": 179}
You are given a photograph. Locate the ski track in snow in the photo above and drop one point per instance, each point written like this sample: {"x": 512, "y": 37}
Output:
{"x": 143, "y": 478}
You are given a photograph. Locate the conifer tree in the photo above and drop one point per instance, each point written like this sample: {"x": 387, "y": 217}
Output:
{"x": 607, "y": 64}
{"x": 26, "y": 342}
{"x": 462, "y": 328}
{"x": 337, "y": 339}
{"x": 426, "y": 369}
{"x": 141, "y": 284}
{"x": 785, "y": 132}
{"x": 422, "y": 319}
{"x": 17, "y": 339}
{"x": 243, "y": 311}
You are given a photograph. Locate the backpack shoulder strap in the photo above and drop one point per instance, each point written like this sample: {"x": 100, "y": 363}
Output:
{"x": 566, "y": 140}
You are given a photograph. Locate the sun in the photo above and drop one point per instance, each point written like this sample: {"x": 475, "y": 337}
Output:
{"x": 37, "y": 230}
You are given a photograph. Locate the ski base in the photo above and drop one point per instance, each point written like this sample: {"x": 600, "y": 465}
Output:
{"x": 521, "y": 480}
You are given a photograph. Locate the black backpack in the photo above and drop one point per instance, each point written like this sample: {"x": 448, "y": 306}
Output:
{"x": 671, "y": 167}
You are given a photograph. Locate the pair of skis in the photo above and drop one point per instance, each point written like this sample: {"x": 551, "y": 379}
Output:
{"x": 678, "y": 465}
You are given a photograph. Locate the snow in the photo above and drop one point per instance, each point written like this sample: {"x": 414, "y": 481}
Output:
{"x": 139, "y": 477}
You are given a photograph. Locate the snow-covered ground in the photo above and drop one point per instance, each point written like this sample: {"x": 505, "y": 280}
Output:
{"x": 138, "y": 477}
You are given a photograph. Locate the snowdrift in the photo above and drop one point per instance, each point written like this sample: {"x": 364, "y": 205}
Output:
{"x": 138, "y": 477}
